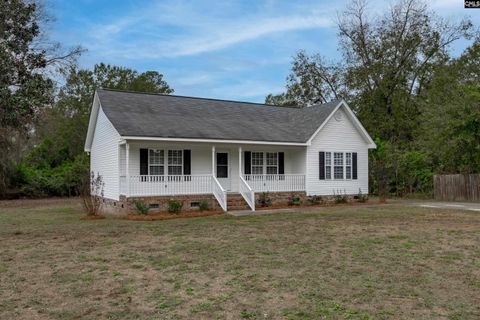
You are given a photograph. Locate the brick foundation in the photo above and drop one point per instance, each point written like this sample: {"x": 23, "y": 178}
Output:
{"x": 296, "y": 198}
{"x": 126, "y": 205}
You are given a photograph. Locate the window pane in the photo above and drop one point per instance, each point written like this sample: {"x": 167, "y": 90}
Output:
{"x": 257, "y": 170}
{"x": 272, "y": 158}
{"x": 328, "y": 172}
{"x": 348, "y": 158}
{"x": 156, "y": 170}
{"x": 222, "y": 158}
{"x": 272, "y": 170}
{"x": 257, "y": 158}
{"x": 156, "y": 157}
{"x": 349, "y": 172}
{"x": 175, "y": 157}
{"x": 328, "y": 158}
{"x": 338, "y": 172}
{"x": 174, "y": 170}
{"x": 222, "y": 171}
{"x": 338, "y": 158}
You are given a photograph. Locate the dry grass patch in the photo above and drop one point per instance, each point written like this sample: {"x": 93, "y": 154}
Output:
{"x": 338, "y": 263}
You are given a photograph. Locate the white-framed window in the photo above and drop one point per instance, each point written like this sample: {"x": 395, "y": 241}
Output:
{"x": 338, "y": 165}
{"x": 175, "y": 162}
{"x": 257, "y": 162}
{"x": 156, "y": 162}
{"x": 348, "y": 165}
{"x": 272, "y": 162}
{"x": 328, "y": 165}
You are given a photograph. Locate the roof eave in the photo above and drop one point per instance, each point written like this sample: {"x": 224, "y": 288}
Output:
{"x": 259, "y": 142}
{"x": 92, "y": 123}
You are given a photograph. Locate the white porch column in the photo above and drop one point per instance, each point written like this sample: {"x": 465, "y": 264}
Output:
{"x": 240, "y": 161}
{"x": 127, "y": 169}
{"x": 213, "y": 161}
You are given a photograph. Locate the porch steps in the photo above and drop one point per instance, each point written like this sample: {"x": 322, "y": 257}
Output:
{"x": 235, "y": 202}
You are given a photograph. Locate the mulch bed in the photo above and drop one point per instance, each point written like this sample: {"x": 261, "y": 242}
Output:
{"x": 193, "y": 214}
{"x": 168, "y": 216}
{"x": 302, "y": 206}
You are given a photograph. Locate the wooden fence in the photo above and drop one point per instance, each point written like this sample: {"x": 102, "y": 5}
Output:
{"x": 457, "y": 187}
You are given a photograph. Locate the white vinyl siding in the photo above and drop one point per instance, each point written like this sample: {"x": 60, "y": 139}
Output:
{"x": 341, "y": 137}
{"x": 105, "y": 154}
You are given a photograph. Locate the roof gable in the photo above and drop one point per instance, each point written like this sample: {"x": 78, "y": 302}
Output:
{"x": 353, "y": 118}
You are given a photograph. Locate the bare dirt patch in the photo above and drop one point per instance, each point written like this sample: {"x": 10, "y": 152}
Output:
{"x": 384, "y": 262}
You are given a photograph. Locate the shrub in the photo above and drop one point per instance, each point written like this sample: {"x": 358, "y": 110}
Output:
{"x": 204, "y": 205}
{"x": 174, "y": 206}
{"x": 142, "y": 207}
{"x": 361, "y": 197}
{"x": 295, "y": 201}
{"x": 315, "y": 200}
{"x": 91, "y": 192}
{"x": 340, "y": 198}
{"x": 66, "y": 179}
{"x": 265, "y": 200}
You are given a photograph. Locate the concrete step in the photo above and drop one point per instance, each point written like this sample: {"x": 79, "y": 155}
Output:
{"x": 235, "y": 202}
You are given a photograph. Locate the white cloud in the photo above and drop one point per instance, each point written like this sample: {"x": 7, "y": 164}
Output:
{"x": 234, "y": 34}
{"x": 180, "y": 29}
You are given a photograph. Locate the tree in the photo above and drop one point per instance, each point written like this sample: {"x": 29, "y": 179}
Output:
{"x": 24, "y": 85}
{"x": 57, "y": 165}
{"x": 311, "y": 81}
{"x": 392, "y": 73}
{"x": 388, "y": 60}
{"x": 451, "y": 115}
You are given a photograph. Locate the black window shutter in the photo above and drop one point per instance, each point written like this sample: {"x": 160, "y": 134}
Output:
{"x": 354, "y": 166}
{"x": 247, "y": 162}
{"x": 281, "y": 163}
{"x": 143, "y": 161}
{"x": 321, "y": 162}
{"x": 187, "y": 162}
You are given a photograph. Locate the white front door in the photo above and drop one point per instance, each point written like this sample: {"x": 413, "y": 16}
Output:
{"x": 223, "y": 170}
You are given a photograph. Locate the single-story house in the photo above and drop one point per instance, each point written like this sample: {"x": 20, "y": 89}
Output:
{"x": 158, "y": 147}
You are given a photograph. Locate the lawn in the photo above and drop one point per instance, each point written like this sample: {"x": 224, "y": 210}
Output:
{"x": 384, "y": 262}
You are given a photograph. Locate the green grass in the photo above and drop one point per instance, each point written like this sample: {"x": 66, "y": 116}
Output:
{"x": 338, "y": 263}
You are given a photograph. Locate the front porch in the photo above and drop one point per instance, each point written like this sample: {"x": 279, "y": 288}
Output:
{"x": 153, "y": 169}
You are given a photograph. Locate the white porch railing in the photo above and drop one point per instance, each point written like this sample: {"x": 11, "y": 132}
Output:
{"x": 247, "y": 193}
{"x": 219, "y": 193}
{"x": 151, "y": 185}
{"x": 275, "y": 182}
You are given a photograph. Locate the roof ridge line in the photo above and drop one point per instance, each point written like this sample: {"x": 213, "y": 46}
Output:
{"x": 199, "y": 98}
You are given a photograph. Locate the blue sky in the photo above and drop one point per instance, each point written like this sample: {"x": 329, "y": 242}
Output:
{"x": 237, "y": 50}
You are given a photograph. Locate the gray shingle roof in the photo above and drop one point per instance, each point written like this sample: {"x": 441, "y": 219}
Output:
{"x": 169, "y": 116}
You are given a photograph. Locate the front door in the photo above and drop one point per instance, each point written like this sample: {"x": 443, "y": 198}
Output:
{"x": 223, "y": 170}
